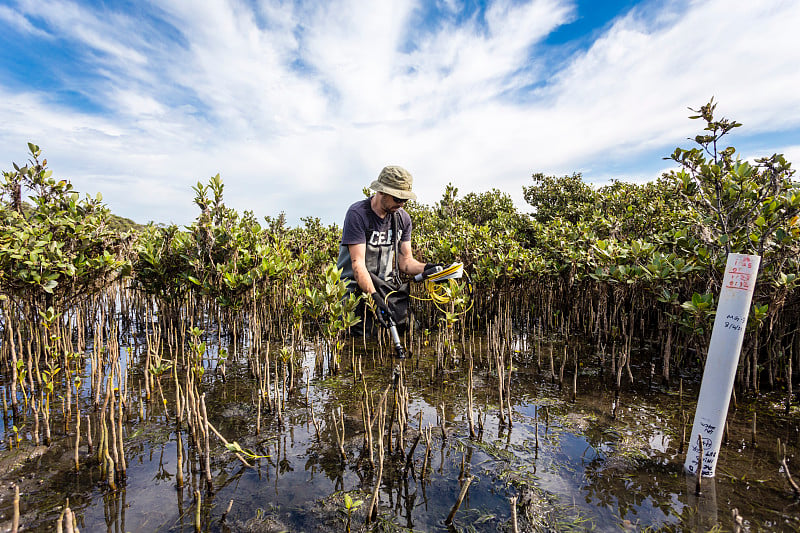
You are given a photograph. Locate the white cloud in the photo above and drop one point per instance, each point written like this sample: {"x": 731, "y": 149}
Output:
{"x": 301, "y": 104}
{"x": 90, "y": 28}
{"x": 792, "y": 154}
{"x": 14, "y": 19}
{"x": 136, "y": 104}
{"x": 637, "y": 81}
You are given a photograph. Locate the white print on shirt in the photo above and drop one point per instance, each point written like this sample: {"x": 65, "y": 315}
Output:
{"x": 380, "y": 238}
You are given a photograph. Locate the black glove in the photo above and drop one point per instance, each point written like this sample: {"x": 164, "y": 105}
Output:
{"x": 432, "y": 268}
{"x": 382, "y": 313}
{"x": 429, "y": 270}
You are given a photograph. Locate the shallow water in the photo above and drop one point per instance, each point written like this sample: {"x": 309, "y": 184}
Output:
{"x": 591, "y": 470}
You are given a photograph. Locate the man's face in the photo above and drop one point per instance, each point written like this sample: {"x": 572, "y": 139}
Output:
{"x": 390, "y": 204}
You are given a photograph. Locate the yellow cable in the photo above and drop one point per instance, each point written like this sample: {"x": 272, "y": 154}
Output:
{"x": 438, "y": 293}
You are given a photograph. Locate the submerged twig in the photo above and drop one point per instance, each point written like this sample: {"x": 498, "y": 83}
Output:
{"x": 513, "y": 502}
{"x": 227, "y": 445}
{"x": 454, "y": 510}
{"x": 792, "y": 482}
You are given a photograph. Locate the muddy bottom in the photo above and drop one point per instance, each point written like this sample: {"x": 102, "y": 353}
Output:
{"x": 596, "y": 463}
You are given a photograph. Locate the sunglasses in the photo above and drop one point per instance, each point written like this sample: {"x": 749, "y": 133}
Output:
{"x": 399, "y": 200}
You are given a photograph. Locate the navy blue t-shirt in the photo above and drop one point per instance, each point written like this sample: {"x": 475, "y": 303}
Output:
{"x": 363, "y": 225}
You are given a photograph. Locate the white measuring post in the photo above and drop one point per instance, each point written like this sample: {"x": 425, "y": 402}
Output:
{"x": 723, "y": 358}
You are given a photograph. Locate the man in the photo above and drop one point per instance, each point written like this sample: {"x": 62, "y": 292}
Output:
{"x": 369, "y": 241}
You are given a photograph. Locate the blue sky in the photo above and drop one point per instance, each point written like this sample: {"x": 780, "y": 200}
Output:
{"x": 299, "y": 104}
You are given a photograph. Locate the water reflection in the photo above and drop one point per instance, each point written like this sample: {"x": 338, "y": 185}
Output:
{"x": 605, "y": 462}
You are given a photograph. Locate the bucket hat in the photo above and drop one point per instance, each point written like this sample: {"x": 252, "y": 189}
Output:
{"x": 395, "y": 181}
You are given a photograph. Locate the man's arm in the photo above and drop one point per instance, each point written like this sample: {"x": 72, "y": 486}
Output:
{"x": 357, "y": 254}
{"x": 405, "y": 261}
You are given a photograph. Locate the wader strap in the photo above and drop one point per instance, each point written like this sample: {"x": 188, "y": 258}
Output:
{"x": 396, "y": 245}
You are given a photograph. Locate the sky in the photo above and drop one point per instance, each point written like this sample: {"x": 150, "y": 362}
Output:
{"x": 298, "y": 104}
